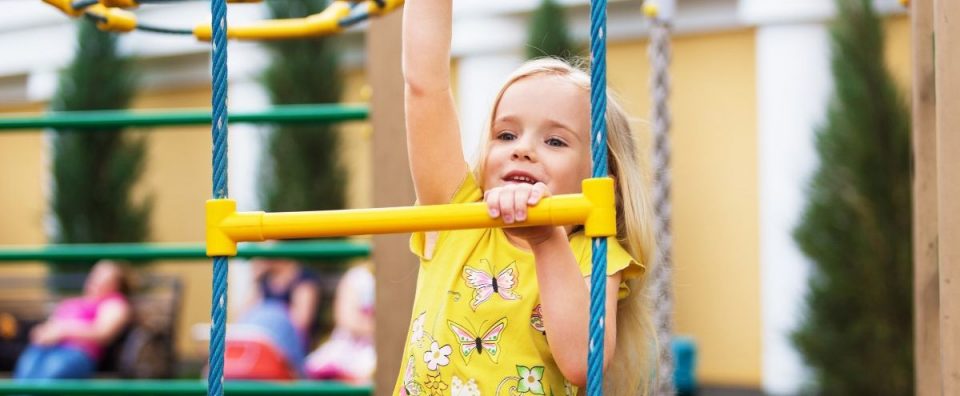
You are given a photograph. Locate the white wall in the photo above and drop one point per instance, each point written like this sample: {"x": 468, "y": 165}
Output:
{"x": 793, "y": 83}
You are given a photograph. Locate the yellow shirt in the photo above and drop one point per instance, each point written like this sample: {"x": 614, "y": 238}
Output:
{"x": 477, "y": 328}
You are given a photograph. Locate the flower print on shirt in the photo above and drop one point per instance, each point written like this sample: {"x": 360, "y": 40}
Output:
{"x": 417, "y": 329}
{"x": 435, "y": 385}
{"x": 484, "y": 284}
{"x": 530, "y": 379}
{"x": 459, "y": 388}
{"x": 437, "y": 356}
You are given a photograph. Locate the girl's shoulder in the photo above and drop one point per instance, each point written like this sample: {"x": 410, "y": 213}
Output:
{"x": 618, "y": 258}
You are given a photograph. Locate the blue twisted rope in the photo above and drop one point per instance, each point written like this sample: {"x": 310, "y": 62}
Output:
{"x": 218, "y": 306}
{"x": 598, "y": 133}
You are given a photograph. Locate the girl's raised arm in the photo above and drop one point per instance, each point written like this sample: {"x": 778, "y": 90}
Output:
{"x": 433, "y": 132}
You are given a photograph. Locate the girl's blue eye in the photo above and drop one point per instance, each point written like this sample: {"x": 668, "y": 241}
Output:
{"x": 556, "y": 142}
{"x": 506, "y": 135}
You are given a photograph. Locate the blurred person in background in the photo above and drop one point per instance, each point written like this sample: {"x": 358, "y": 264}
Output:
{"x": 277, "y": 325}
{"x": 297, "y": 290}
{"x": 348, "y": 355}
{"x": 71, "y": 342}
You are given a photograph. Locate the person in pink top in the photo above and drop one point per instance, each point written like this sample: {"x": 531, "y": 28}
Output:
{"x": 69, "y": 344}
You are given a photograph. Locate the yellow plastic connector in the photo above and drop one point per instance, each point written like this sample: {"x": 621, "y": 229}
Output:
{"x": 595, "y": 208}
{"x": 218, "y": 242}
{"x": 65, "y": 6}
{"x": 226, "y": 227}
{"x": 113, "y": 19}
{"x": 120, "y": 3}
{"x": 388, "y": 5}
{"x": 324, "y": 23}
{"x": 602, "y": 220}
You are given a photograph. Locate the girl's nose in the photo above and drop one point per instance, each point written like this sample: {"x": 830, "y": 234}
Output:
{"x": 523, "y": 151}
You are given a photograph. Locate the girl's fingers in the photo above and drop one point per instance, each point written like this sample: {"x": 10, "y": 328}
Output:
{"x": 492, "y": 198}
{"x": 520, "y": 199}
{"x": 538, "y": 191}
{"x": 511, "y": 202}
{"x": 507, "y": 211}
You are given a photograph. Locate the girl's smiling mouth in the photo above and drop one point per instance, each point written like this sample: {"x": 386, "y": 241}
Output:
{"x": 520, "y": 177}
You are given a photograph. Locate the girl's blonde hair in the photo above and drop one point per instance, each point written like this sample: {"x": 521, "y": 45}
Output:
{"x": 630, "y": 370}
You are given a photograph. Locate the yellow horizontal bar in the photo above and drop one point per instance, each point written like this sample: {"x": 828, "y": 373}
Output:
{"x": 120, "y": 3}
{"x": 324, "y": 23}
{"x": 374, "y": 7}
{"x": 595, "y": 208}
{"x": 113, "y": 19}
{"x": 65, "y": 6}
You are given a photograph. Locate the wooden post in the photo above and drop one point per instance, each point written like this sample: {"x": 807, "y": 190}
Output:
{"x": 947, "y": 50}
{"x": 926, "y": 282}
{"x": 395, "y": 265}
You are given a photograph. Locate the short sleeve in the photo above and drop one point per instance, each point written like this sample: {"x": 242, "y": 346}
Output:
{"x": 618, "y": 259}
{"x": 468, "y": 192}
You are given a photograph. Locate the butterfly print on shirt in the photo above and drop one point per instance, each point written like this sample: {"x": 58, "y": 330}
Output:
{"x": 410, "y": 386}
{"x": 469, "y": 342}
{"x": 484, "y": 284}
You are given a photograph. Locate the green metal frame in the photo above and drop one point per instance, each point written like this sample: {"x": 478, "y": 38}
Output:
{"x": 332, "y": 249}
{"x": 84, "y": 120}
{"x": 178, "y": 387}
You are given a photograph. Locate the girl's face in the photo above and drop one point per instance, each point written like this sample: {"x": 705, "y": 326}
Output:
{"x": 540, "y": 133}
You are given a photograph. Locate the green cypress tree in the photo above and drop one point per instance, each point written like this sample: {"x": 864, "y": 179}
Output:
{"x": 301, "y": 167}
{"x": 856, "y": 228}
{"x": 548, "y": 34}
{"x": 95, "y": 171}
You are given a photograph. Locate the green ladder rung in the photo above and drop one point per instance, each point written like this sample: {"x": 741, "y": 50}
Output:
{"x": 112, "y": 119}
{"x": 177, "y": 387}
{"x": 332, "y": 249}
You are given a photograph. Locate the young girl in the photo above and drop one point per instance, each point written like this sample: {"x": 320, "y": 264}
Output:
{"x": 505, "y": 311}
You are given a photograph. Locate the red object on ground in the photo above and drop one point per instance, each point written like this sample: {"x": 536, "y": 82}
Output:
{"x": 255, "y": 360}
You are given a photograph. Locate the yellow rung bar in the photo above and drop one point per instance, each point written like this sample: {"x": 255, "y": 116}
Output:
{"x": 65, "y": 6}
{"x": 120, "y": 3}
{"x": 374, "y": 8}
{"x": 326, "y": 22}
{"x": 594, "y": 208}
{"x": 113, "y": 19}
{"x": 136, "y": 3}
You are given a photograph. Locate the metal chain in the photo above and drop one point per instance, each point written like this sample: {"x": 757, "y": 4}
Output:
{"x": 659, "y": 52}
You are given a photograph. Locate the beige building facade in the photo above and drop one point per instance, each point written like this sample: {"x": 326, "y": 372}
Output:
{"x": 716, "y": 171}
